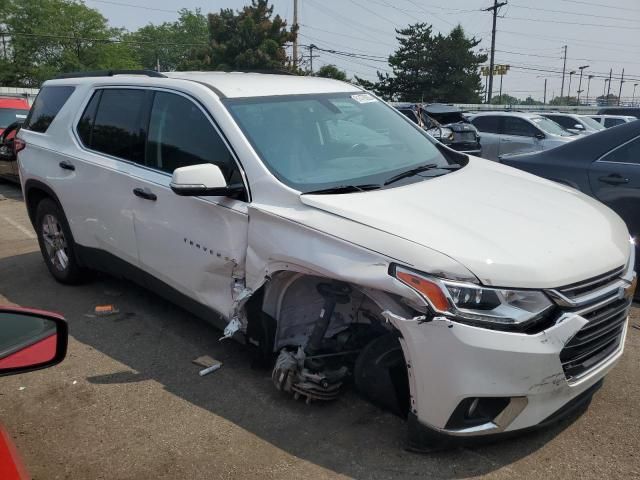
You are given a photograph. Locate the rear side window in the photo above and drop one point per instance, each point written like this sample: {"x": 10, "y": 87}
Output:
{"x": 181, "y": 135}
{"x": 47, "y": 105}
{"x": 487, "y": 124}
{"x": 566, "y": 122}
{"x": 612, "y": 122}
{"x": 113, "y": 123}
{"x": 628, "y": 153}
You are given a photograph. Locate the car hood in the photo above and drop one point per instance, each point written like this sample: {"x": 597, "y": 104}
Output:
{"x": 509, "y": 228}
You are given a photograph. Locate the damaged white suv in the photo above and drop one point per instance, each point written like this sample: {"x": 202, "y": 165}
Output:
{"x": 313, "y": 221}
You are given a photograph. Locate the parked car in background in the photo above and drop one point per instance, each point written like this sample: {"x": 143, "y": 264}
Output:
{"x": 604, "y": 165}
{"x": 609, "y": 121}
{"x": 627, "y": 111}
{"x": 29, "y": 340}
{"x": 444, "y": 123}
{"x": 12, "y": 110}
{"x": 514, "y": 132}
{"x": 342, "y": 242}
{"x": 8, "y": 161}
{"x": 579, "y": 124}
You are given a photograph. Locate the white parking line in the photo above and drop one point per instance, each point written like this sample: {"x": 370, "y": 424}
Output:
{"x": 19, "y": 227}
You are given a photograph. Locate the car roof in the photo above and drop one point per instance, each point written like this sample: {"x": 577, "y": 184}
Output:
{"x": 225, "y": 84}
{"x": 527, "y": 115}
{"x": 241, "y": 84}
{"x": 18, "y": 103}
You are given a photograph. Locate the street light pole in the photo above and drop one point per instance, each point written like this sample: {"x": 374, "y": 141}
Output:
{"x": 633, "y": 99}
{"x": 571, "y": 73}
{"x": 580, "y": 83}
{"x": 588, "y": 87}
{"x": 544, "y": 99}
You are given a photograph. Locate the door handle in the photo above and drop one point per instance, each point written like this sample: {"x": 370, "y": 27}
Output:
{"x": 66, "y": 165}
{"x": 614, "y": 179}
{"x": 145, "y": 193}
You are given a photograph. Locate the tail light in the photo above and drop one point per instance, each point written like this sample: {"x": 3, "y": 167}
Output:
{"x": 19, "y": 145}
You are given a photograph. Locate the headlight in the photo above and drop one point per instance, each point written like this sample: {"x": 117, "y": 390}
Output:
{"x": 467, "y": 302}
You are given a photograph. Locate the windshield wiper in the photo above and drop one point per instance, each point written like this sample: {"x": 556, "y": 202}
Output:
{"x": 421, "y": 168}
{"x": 346, "y": 189}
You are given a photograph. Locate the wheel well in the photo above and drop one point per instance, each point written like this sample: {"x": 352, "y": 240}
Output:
{"x": 35, "y": 192}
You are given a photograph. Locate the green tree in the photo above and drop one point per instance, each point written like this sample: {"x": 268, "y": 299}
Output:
{"x": 48, "y": 37}
{"x": 564, "y": 101}
{"x": 249, "y": 39}
{"x": 609, "y": 99}
{"x": 428, "y": 67}
{"x": 504, "y": 99}
{"x": 172, "y": 45}
{"x": 530, "y": 101}
{"x": 331, "y": 71}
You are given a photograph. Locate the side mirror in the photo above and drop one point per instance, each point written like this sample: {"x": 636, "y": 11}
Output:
{"x": 578, "y": 126}
{"x": 30, "y": 340}
{"x": 540, "y": 136}
{"x": 201, "y": 181}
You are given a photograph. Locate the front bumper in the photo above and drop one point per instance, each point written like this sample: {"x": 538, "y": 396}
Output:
{"x": 450, "y": 362}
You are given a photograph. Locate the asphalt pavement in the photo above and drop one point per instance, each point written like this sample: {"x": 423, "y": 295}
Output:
{"x": 127, "y": 402}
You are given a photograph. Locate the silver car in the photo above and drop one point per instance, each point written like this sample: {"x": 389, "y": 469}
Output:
{"x": 517, "y": 132}
{"x": 580, "y": 124}
{"x": 612, "y": 120}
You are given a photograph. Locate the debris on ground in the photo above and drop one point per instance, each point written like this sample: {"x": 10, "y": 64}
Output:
{"x": 105, "y": 310}
{"x": 210, "y": 364}
{"x": 636, "y": 326}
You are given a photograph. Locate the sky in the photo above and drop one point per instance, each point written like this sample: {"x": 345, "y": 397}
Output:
{"x": 602, "y": 34}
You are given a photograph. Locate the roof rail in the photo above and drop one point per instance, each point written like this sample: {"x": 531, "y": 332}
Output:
{"x": 110, "y": 73}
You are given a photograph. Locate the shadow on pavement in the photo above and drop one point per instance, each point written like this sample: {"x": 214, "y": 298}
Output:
{"x": 349, "y": 436}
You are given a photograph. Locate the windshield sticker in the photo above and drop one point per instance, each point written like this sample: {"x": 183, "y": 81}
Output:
{"x": 364, "y": 98}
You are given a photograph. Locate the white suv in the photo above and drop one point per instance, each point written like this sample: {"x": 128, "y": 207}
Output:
{"x": 314, "y": 221}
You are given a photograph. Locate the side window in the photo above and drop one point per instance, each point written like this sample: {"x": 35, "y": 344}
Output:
{"x": 181, "y": 135}
{"x": 47, "y": 105}
{"x": 117, "y": 117}
{"x": 519, "y": 127}
{"x": 410, "y": 115}
{"x": 487, "y": 124}
{"x": 566, "y": 122}
{"x": 612, "y": 122}
{"x": 85, "y": 126}
{"x": 629, "y": 153}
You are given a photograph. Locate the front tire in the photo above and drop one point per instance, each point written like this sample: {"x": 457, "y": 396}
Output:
{"x": 56, "y": 243}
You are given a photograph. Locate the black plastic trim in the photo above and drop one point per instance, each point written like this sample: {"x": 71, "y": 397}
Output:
{"x": 109, "y": 73}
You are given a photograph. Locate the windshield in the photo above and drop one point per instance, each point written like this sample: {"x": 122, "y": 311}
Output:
{"x": 312, "y": 142}
{"x": 591, "y": 123}
{"x": 551, "y": 127}
{"x": 10, "y": 115}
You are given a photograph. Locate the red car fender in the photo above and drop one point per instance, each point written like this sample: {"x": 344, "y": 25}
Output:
{"x": 11, "y": 466}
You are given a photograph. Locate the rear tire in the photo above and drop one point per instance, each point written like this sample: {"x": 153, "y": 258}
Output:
{"x": 56, "y": 243}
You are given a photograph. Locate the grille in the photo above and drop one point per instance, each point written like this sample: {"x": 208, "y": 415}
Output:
{"x": 601, "y": 282}
{"x": 598, "y": 339}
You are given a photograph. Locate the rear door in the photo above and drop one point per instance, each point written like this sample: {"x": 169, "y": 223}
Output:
{"x": 489, "y": 128}
{"x": 615, "y": 181}
{"x": 518, "y": 136}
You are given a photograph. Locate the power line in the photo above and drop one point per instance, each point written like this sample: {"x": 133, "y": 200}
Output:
{"x": 618, "y": 27}
{"x": 608, "y": 6}
{"x": 120, "y": 4}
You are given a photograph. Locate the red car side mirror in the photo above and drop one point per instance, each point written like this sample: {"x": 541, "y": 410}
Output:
{"x": 30, "y": 340}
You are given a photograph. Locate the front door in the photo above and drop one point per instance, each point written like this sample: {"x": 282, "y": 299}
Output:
{"x": 518, "y": 136}
{"x": 196, "y": 245}
{"x": 615, "y": 181}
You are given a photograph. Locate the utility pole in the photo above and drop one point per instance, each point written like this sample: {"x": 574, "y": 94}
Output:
{"x": 544, "y": 99}
{"x": 620, "y": 92}
{"x": 580, "y": 84}
{"x": 609, "y": 88}
{"x": 493, "y": 9}
{"x": 564, "y": 67}
{"x": 295, "y": 40}
{"x": 589, "y": 86}
{"x": 633, "y": 99}
{"x": 501, "y": 77}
